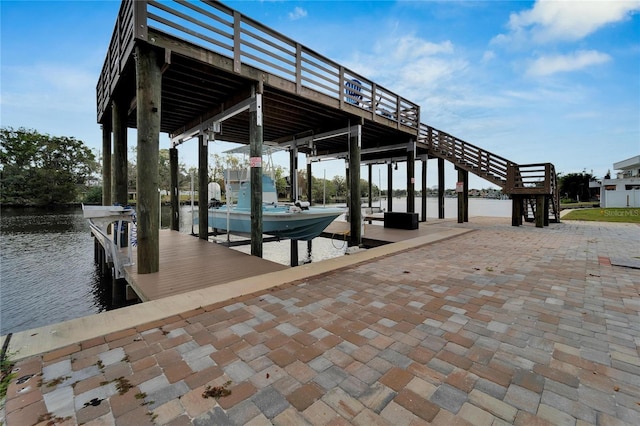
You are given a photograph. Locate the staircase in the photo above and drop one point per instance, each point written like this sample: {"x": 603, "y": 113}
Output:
{"x": 533, "y": 187}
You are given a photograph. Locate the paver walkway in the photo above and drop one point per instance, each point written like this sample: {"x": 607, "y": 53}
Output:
{"x": 499, "y": 326}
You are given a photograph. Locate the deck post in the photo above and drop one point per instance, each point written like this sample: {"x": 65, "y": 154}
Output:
{"x": 106, "y": 164}
{"x": 293, "y": 177}
{"x": 465, "y": 181}
{"x": 390, "y": 187}
{"x": 440, "y": 188}
{"x": 516, "y": 210}
{"x": 370, "y": 187}
{"x": 540, "y": 211}
{"x": 148, "y": 101}
{"x": 355, "y": 205}
{"x": 119, "y": 190}
{"x": 411, "y": 177}
{"x": 203, "y": 187}
{"x": 424, "y": 188}
{"x": 175, "y": 190}
{"x": 255, "y": 162}
{"x": 309, "y": 195}
{"x": 546, "y": 210}
{"x": 461, "y": 197}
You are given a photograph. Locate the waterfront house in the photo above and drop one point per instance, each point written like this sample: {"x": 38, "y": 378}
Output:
{"x": 624, "y": 189}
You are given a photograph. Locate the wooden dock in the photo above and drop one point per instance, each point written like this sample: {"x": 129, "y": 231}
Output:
{"x": 188, "y": 263}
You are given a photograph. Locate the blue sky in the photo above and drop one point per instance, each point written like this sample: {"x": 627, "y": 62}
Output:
{"x": 543, "y": 81}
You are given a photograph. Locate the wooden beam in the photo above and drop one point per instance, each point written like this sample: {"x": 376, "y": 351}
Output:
{"x": 106, "y": 164}
{"x": 440, "y": 188}
{"x": 175, "y": 190}
{"x": 540, "y": 211}
{"x": 424, "y": 189}
{"x": 411, "y": 177}
{"x": 148, "y": 90}
{"x": 203, "y": 187}
{"x": 389, "y": 187}
{"x": 255, "y": 160}
{"x": 355, "y": 203}
{"x": 119, "y": 190}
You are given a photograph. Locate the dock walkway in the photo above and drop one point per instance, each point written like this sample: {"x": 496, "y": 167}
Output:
{"x": 502, "y": 325}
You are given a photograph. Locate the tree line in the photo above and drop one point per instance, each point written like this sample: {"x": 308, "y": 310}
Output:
{"x": 38, "y": 169}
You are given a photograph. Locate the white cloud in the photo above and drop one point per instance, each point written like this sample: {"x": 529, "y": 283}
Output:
{"x": 567, "y": 20}
{"x": 297, "y": 13}
{"x": 547, "y": 65}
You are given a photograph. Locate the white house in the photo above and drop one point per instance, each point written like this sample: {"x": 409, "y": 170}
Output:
{"x": 624, "y": 190}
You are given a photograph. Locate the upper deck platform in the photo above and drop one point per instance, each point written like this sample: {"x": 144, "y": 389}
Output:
{"x": 213, "y": 55}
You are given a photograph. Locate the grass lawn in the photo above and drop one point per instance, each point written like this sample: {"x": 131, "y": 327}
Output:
{"x": 628, "y": 215}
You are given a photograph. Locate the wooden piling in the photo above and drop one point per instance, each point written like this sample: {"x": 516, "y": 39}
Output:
{"x": 106, "y": 164}
{"x": 148, "y": 90}
{"x": 411, "y": 177}
{"x": 540, "y": 211}
{"x": 355, "y": 209}
{"x": 203, "y": 187}
{"x": 255, "y": 154}
{"x": 119, "y": 190}
{"x": 175, "y": 190}
{"x": 389, "y": 187}
{"x": 424, "y": 189}
{"x": 440, "y": 188}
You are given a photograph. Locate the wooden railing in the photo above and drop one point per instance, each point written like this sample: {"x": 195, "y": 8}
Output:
{"x": 465, "y": 155}
{"x": 218, "y": 28}
{"x": 531, "y": 179}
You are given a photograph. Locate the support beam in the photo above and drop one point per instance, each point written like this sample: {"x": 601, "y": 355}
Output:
{"x": 106, "y": 164}
{"x": 540, "y": 211}
{"x": 440, "y": 188}
{"x": 390, "y": 187}
{"x": 148, "y": 90}
{"x": 175, "y": 190}
{"x": 309, "y": 198}
{"x": 370, "y": 170}
{"x": 119, "y": 190}
{"x": 424, "y": 188}
{"x": 293, "y": 178}
{"x": 462, "y": 206}
{"x": 255, "y": 161}
{"x": 411, "y": 177}
{"x": 465, "y": 182}
{"x": 516, "y": 210}
{"x": 309, "y": 183}
{"x": 203, "y": 187}
{"x": 355, "y": 209}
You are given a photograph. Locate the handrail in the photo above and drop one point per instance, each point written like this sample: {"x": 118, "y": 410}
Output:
{"x": 100, "y": 218}
{"x": 464, "y": 154}
{"x": 218, "y": 28}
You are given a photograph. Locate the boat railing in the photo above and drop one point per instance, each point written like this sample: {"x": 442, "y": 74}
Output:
{"x": 117, "y": 245}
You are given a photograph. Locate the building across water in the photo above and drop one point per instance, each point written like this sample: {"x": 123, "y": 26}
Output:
{"x": 624, "y": 189}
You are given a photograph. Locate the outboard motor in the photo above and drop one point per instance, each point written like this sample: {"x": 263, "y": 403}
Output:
{"x": 302, "y": 205}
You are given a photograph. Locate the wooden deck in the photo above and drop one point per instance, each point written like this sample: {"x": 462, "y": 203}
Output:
{"x": 188, "y": 263}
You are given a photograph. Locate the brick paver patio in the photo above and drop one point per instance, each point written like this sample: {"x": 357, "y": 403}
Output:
{"x": 502, "y": 325}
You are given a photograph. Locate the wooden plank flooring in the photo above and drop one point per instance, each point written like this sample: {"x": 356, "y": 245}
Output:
{"x": 188, "y": 263}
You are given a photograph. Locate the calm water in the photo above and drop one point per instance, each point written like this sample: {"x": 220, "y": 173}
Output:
{"x": 47, "y": 273}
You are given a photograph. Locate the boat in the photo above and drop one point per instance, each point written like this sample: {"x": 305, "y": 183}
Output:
{"x": 295, "y": 221}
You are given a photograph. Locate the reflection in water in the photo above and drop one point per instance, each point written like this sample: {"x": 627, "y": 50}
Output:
{"x": 47, "y": 273}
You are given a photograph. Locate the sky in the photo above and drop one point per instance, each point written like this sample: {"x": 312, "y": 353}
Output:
{"x": 531, "y": 81}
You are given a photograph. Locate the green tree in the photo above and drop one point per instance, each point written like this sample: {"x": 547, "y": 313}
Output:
{"x": 575, "y": 186}
{"x": 39, "y": 169}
